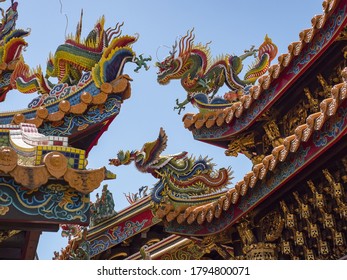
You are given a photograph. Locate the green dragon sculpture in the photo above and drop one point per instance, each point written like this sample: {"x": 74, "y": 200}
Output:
{"x": 75, "y": 57}
{"x": 182, "y": 179}
{"x": 198, "y": 74}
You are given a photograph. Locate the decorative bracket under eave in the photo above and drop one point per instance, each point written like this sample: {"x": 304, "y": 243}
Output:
{"x": 55, "y": 166}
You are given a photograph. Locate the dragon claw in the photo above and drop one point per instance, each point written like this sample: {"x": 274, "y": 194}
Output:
{"x": 141, "y": 62}
{"x": 180, "y": 106}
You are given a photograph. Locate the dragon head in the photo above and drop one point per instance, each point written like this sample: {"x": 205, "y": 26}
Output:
{"x": 174, "y": 67}
{"x": 168, "y": 69}
{"x": 123, "y": 158}
{"x": 147, "y": 157}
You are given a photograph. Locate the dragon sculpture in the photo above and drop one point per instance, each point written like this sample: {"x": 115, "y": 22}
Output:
{"x": 12, "y": 44}
{"x": 202, "y": 77}
{"x": 103, "y": 54}
{"x": 182, "y": 179}
{"x": 99, "y": 52}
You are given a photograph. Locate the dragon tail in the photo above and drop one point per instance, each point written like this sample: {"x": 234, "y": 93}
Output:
{"x": 26, "y": 81}
{"x": 267, "y": 52}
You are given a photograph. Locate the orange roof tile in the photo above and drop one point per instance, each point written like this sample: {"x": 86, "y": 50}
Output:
{"x": 314, "y": 122}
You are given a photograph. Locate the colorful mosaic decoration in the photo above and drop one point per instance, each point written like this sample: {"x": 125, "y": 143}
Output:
{"x": 76, "y": 157}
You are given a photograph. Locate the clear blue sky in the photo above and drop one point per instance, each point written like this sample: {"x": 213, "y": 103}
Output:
{"x": 231, "y": 25}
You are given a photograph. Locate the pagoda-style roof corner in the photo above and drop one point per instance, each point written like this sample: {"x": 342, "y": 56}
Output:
{"x": 245, "y": 110}
{"x": 303, "y": 133}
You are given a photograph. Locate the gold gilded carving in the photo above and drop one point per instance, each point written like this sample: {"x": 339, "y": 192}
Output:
{"x": 323, "y": 247}
{"x": 328, "y": 220}
{"x": 342, "y": 36}
{"x": 213, "y": 243}
{"x": 273, "y": 133}
{"x": 318, "y": 198}
{"x": 286, "y": 248}
{"x": 85, "y": 181}
{"x": 261, "y": 251}
{"x": 30, "y": 177}
{"x": 304, "y": 210}
{"x": 8, "y": 159}
{"x": 5, "y": 234}
{"x": 3, "y": 210}
{"x": 299, "y": 238}
{"x": 313, "y": 231}
{"x": 289, "y": 218}
{"x": 294, "y": 118}
{"x": 245, "y": 232}
{"x": 309, "y": 255}
{"x": 336, "y": 188}
{"x": 267, "y": 146}
{"x": 56, "y": 164}
{"x": 342, "y": 210}
{"x": 338, "y": 238}
{"x": 338, "y": 191}
{"x": 145, "y": 254}
{"x": 326, "y": 88}
{"x": 244, "y": 144}
{"x": 272, "y": 226}
{"x": 188, "y": 252}
{"x": 313, "y": 103}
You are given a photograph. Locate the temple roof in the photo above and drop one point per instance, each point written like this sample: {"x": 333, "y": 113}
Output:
{"x": 120, "y": 86}
{"x": 238, "y": 109}
{"x": 291, "y": 143}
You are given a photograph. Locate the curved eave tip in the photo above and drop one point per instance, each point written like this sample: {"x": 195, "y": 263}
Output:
{"x": 110, "y": 175}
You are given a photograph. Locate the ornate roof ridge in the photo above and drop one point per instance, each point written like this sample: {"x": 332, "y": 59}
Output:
{"x": 120, "y": 86}
{"x": 226, "y": 115}
{"x": 121, "y": 216}
{"x": 55, "y": 166}
{"x": 291, "y": 143}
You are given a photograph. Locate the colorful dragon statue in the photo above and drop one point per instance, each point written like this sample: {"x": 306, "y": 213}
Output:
{"x": 198, "y": 74}
{"x": 75, "y": 57}
{"x": 181, "y": 178}
{"x": 12, "y": 44}
{"x": 103, "y": 53}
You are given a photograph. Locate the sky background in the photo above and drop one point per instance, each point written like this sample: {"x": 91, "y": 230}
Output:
{"x": 232, "y": 26}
